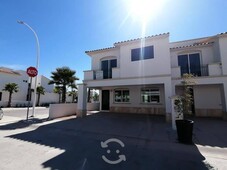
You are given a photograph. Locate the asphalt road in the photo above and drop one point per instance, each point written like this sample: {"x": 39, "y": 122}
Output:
{"x": 22, "y": 112}
{"x": 111, "y": 141}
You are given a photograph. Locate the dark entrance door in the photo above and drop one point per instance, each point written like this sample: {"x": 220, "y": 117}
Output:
{"x": 105, "y": 99}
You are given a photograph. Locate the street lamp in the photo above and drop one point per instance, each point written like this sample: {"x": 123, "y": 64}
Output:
{"x": 37, "y": 63}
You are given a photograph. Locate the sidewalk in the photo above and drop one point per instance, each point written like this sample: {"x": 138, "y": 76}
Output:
{"x": 9, "y": 119}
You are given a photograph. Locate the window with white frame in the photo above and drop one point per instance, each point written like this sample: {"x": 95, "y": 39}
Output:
{"x": 121, "y": 95}
{"x": 150, "y": 95}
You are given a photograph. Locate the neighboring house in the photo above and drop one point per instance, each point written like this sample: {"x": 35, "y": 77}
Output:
{"x": 140, "y": 75}
{"x": 21, "y": 78}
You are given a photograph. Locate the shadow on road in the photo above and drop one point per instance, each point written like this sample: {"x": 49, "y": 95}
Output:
{"x": 21, "y": 124}
{"x": 148, "y": 143}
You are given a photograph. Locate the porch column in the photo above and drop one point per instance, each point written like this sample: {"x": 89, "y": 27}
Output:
{"x": 82, "y": 100}
{"x": 168, "y": 94}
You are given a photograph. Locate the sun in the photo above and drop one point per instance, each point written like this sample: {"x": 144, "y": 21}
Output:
{"x": 144, "y": 10}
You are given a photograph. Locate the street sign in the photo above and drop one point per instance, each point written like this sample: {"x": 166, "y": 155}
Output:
{"x": 32, "y": 71}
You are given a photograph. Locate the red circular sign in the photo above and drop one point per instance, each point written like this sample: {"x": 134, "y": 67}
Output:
{"x": 32, "y": 71}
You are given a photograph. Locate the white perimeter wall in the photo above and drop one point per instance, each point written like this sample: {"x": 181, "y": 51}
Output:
{"x": 67, "y": 109}
{"x": 61, "y": 110}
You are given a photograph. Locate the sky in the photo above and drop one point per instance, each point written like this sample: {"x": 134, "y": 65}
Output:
{"x": 68, "y": 28}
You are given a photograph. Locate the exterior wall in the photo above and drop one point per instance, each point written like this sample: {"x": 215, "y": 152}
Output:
{"x": 96, "y": 58}
{"x": 208, "y": 101}
{"x": 49, "y": 98}
{"x": 149, "y": 67}
{"x": 206, "y": 55}
{"x": 43, "y": 81}
{"x": 18, "y": 79}
{"x": 223, "y": 52}
{"x": 135, "y": 104}
{"x": 216, "y": 52}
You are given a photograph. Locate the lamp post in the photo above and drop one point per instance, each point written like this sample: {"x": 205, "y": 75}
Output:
{"x": 37, "y": 63}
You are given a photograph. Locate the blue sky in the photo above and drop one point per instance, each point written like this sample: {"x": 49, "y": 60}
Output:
{"x": 68, "y": 28}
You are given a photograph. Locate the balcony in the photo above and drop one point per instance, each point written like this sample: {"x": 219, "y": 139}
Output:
{"x": 213, "y": 69}
{"x": 100, "y": 74}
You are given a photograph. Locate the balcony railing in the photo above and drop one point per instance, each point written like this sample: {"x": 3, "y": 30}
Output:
{"x": 213, "y": 69}
{"x": 196, "y": 71}
{"x": 100, "y": 75}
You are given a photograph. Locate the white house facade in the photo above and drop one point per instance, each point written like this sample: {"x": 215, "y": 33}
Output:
{"x": 140, "y": 75}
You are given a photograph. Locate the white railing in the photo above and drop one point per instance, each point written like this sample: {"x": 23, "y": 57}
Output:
{"x": 98, "y": 74}
{"x": 89, "y": 75}
{"x": 215, "y": 69}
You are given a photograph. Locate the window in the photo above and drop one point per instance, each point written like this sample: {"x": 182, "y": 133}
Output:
{"x": 150, "y": 95}
{"x": 121, "y": 96}
{"x": 190, "y": 63}
{"x": 107, "y": 66}
{"x": 142, "y": 53}
{"x": 0, "y": 96}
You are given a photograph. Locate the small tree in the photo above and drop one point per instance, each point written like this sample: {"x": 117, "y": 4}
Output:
{"x": 40, "y": 90}
{"x": 11, "y": 88}
{"x": 184, "y": 102}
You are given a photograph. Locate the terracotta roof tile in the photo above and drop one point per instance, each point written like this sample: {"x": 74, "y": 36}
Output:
{"x": 222, "y": 33}
{"x": 125, "y": 42}
{"x": 100, "y": 49}
{"x": 8, "y": 71}
{"x": 193, "y": 45}
{"x": 140, "y": 38}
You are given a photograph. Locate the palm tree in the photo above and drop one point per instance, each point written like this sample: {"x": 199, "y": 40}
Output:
{"x": 73, "y": 91}
{"x": 63, "y": 77}
{"x": 11, "y": 88}
{"x": 40, "y": 90}
{"x": 57, "y": 89}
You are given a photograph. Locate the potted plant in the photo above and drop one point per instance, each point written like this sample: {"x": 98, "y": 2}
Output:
{"x": 182, "y": 107}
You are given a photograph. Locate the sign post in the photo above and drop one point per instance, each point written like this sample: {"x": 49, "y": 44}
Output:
{"x": 32, "y": 72}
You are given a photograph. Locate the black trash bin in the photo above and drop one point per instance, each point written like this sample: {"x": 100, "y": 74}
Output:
{"x": 185, "y": 131}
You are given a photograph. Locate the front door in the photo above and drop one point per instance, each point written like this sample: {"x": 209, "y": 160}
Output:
{"x": 105, "y": 99}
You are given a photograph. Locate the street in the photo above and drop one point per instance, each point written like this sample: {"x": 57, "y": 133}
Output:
{"x": 138, "y": 142}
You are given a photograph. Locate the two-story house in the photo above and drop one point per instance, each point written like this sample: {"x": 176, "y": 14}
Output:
{"x": 140, "y": 75}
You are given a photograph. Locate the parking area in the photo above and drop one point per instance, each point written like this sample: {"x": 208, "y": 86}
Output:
{"x": 111, "y": 141}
